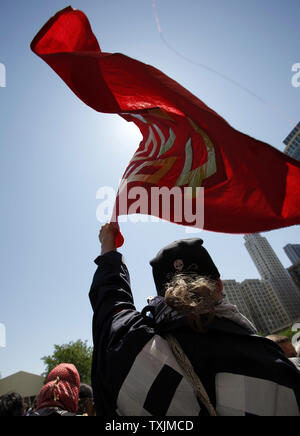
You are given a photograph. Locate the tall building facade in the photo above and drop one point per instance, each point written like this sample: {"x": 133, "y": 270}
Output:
{"x": 266, "y": 310}
{"x": 274, "y": 274}
{"x": 233, "y": 293}
{"x": 292, "y": 142}
{"x": 258, "y": 302}
{"x": 293, "y": 252}
{"x": 294, "y": 272}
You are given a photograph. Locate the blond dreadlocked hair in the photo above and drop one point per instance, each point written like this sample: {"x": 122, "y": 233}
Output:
{"x": 195, "y": 297}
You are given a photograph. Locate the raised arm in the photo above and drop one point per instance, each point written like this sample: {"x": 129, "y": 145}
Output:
{"x": 110, "y": 289}
{"x": 107, "y": 238}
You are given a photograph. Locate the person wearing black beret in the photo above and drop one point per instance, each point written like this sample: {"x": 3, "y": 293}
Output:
{"x": 188, "y": 352}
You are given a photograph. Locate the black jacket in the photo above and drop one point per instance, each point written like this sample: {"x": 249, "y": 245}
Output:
{"x": 51, "y": 411}
{"x": 135, "y": 373}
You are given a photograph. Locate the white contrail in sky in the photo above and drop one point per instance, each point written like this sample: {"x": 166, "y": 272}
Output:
{"x": 212, "y": 70}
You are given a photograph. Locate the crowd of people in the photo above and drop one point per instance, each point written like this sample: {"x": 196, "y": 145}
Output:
{"x": 187, "y": 353}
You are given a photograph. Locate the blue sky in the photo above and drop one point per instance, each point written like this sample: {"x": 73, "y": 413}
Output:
{"x": 56, "y": 152}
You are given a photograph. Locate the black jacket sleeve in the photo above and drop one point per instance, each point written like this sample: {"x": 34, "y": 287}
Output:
{"x": 117, "y": 328}
{"x": 110, "y": 290}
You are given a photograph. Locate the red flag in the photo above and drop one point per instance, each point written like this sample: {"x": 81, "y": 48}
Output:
{"x": 249, "y": 185}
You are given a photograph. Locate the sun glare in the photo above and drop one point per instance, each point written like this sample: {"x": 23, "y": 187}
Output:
{"x": 126, "y": 134}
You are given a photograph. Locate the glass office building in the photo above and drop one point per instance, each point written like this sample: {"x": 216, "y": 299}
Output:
{"x": 293, "y": 252}
{"x": 292, "y": 143}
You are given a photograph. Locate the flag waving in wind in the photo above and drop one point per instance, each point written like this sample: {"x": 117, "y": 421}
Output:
{"x": 249, "y": 186}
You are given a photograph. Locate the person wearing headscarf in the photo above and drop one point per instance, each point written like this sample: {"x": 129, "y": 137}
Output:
{"x": 59, "y": 396}
{"x": 187, "y": 353}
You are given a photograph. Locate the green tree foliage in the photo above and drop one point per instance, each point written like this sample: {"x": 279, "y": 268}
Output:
{"x": 77, "y": 353}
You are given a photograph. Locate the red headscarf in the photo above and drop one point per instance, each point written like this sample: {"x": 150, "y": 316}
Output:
{"x": 61, "y": 389}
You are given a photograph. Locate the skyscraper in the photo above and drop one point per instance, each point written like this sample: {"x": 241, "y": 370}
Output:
{"x": 278, "y": 289}
{"x": 293, "y": 252}
{"x": 234, "y": 294}
{"x": 294, "y": 272}
{"x": 258, "y": 302}
{"x": 274, "y": 274}
{"x": 292, "y": 143}
{"x": 266, "y": 310}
